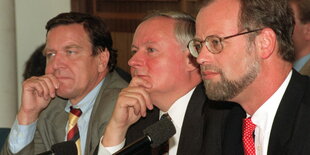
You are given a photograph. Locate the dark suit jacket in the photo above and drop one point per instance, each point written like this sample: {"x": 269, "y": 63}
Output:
{"x": 198, "y": 116}
{"x": 291, "y": 126}
{"x": 52, "y": 121}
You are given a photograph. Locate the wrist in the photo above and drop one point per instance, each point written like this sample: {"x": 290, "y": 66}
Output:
{"x": 113, "y": 135}
{"x": 26, "y": 118}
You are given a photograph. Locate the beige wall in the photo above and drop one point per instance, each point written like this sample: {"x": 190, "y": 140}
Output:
{"x": 26, "y": 33}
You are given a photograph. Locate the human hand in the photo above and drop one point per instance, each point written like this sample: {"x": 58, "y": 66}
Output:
{"x": 131, "y": 104}
{"x": 37, "y": 92}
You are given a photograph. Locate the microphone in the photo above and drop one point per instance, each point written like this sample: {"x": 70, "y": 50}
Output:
{"x": 154, "y": 135}
{"x": 63, "y": 148}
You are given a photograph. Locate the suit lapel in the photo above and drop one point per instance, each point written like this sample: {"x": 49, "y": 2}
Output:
{"x": 285, "y": 122}
{"x": 192, "y": 129}
{"x": 232, "y": 143}
{"x": 102, "y": 110}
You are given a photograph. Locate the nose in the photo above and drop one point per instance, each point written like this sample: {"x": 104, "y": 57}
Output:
{"x": 136, "y": 60}
{"x": 204, "y": 56}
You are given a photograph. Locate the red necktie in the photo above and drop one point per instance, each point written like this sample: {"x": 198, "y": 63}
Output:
{"x": 247, "y": 136}
{"x": 73, "y": 130}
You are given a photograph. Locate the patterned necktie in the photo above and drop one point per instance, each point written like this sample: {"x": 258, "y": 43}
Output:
{"x": 247, "y": 136}
{"x": 73, "y": 130}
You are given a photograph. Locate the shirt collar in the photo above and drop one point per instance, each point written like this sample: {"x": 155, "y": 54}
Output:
{"x": 266, "y": 113}
{"x": 301, "y": 62}
{"x": 178, "y": 109}
{"x": 87, "y": 102}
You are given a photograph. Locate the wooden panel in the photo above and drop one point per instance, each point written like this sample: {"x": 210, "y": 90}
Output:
{"x": 123, "y": 16}
{"x": 122, "y": 43}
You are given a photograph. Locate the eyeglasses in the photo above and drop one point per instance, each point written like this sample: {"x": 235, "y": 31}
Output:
{"x": 213, "y": 43}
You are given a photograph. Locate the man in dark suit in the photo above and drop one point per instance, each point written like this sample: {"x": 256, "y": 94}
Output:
{"x": 78, "y": 75}
{"x": 245, "y": 51}
{"x": 165, "y": 80}
{"x": 301, "y": 35}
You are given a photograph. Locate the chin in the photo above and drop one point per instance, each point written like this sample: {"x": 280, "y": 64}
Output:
{"x": 63, "y": 94}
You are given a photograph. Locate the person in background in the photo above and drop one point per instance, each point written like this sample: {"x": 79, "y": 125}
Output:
{"x": 245, "y": 51}
{"x": 166, "y": 80}
{"x": 35, "y": 65}
{"x": 301, "y": 35}
{"x": 74, "y": 100}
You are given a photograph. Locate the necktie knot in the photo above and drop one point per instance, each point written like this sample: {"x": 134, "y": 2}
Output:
{"x": 165, "y": 115}
{"x": 247, "y": 136}
{"x": 75, "y": 111}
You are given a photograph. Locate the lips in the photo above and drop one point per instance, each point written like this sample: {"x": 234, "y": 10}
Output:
{"x": 208, "y": 74}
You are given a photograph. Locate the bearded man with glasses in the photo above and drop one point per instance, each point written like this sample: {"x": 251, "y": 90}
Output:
{"x": 252, "y": 66}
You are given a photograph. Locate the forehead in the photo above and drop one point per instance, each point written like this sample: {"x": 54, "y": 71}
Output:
{"x": 67, "y": 33}
{"x": 219, "y": 17}
{"x": 155, "y": 29}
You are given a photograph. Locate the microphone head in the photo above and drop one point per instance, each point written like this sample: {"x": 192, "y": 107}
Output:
{"x": 64, "y": 148}
{"x": 160, "y": 132}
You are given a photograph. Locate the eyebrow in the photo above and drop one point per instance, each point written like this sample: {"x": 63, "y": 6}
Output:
{"x": 73, "y": 46}
{"x": 133, "y": 46}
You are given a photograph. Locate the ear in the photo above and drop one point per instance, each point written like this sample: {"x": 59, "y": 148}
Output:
{"x": 266, "y": 42}
{"x": 103, "y": 59}
{"x": 191, "y": 62}
{"x": 306, "y": 31}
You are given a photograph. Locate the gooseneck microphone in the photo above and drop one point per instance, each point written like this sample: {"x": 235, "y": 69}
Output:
{"x": 154, "y": 135}
{"x": 63, "y": 148}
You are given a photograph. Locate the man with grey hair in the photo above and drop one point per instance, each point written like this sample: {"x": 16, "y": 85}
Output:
{"x": 165, "y": 80}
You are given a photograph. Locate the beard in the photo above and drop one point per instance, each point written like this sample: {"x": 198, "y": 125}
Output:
{"x": 226, "y": 89}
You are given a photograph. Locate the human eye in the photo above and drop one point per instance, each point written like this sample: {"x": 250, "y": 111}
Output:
{"x": 133, "y": 51}
{"x": 215, "y": 44}
{"x": 70, "y": 52}
{"x": 49, "y": 54}
{"x": 197, "y": 45}
{"x": 150, "y": 50}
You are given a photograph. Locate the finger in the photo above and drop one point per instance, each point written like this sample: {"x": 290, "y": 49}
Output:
{"x": 45, "y": 88}
{"x": 136, "y": 81}
{"x": 54, "y": 80}
{"x": 131, "y": 102}
{"x": 146, "y": 99}
{"x": 34, "y": 87}
{"x": 138, "y": 99}
{"x": 49, "y": 81}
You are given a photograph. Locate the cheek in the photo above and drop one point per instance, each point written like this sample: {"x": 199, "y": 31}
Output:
{"x": 48, "y": 69}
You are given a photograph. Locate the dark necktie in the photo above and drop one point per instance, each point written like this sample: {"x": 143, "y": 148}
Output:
{"x": 247, "y": 136}
{"x": 164, "y": 148}
{"x": 73, "y": 130}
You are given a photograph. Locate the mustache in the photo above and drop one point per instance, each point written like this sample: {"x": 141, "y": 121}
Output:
{"x": 210, "y": 68}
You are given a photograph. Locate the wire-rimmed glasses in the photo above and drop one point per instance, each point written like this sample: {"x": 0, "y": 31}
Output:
{"x": 212, "y": 42}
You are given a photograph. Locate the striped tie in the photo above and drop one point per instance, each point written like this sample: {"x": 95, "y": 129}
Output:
{"x": 73, "y": 130}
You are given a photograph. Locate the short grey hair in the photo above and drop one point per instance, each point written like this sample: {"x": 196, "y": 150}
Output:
{"x": 184, "y": 28}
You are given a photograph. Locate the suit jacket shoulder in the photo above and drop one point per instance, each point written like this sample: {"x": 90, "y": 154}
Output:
{"x": 52, "y": 121}
{"x": 305, "y": 70}
{"x": 291, "y": 127}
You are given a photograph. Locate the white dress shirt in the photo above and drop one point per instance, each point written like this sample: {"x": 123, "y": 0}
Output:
{"x": 263, "y": 118}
